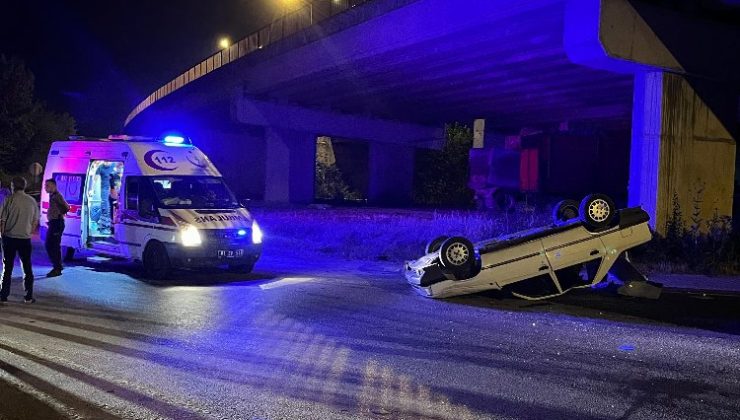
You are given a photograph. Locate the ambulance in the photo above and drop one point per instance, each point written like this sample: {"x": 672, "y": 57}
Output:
{"x": 159, "y": 201}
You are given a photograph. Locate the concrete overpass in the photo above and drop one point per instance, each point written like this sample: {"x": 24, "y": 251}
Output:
{"x": 392, "y": 72}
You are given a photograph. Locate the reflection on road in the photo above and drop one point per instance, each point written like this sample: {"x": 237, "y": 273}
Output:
{"x": 302, "y": 340}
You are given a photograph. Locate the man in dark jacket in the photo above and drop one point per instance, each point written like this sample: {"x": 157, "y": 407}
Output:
{"x": 58, "y": 208}
{"x": 19, "y": 217}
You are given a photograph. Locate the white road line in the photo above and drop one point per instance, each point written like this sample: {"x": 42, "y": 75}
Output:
{"x": 286, "y": 281}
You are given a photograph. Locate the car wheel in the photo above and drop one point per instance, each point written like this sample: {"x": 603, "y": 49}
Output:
{"x": 69, "y": 254}
{"x": 435, "y": 244}
{"x": 597, "y": 211}
{"x": 565, "y": 210}
{"x": 156, "y": 261}
{"x": 241, "y": 268}
{"x": 457, "y": 254}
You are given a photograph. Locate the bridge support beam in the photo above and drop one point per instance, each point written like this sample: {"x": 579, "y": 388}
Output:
{"x": 682, "y": 155}
{"x": 391, "y": 174}
{"x": 268, "y": 114}
{"x": 290, "y": 158}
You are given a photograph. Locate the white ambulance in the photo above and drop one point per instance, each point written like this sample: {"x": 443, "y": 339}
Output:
{"x": 159, "y": 201}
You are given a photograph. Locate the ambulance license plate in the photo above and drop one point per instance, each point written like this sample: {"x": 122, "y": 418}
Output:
{"x": 230, "y": 253}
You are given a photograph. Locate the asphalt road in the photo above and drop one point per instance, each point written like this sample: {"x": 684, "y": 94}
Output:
{"x": 321, "y": 339}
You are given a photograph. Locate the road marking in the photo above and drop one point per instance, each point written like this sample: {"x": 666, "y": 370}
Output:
{"x": 286, "y": 281}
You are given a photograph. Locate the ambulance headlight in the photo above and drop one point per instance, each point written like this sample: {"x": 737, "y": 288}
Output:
{"x": 190, "y": 236}
{"x": 256, "y": 233}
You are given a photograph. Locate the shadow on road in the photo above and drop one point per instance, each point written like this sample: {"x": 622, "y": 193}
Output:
{"x": 719, "y": 312}
{"x": 322, "y": 349}
{"x": 201, "y": 277}
{"x": 292, "y": 359}
{"x": 19, "y": 404}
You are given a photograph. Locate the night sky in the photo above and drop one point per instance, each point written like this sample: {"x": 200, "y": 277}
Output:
{"x": 97, "y": 59}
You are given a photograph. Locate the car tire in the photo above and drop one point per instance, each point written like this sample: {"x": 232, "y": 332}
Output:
{"x": 241, "y": 268}
{"x": 69, "y": 254}
{"x": 597, "y": 211}
{"x": 457, "y": 254}
{"x": 435, "y": 244}
{"x": 156, "y": 261}
{"x": 565, "y": 210}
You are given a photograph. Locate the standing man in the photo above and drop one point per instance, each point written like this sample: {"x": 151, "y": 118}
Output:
{"x": 19, "y": 216}
{"x": 58, "y": 208}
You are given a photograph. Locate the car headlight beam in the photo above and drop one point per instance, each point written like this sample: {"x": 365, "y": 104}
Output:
{"x": 190, "y": 236}
{"x": 256, "y": 233}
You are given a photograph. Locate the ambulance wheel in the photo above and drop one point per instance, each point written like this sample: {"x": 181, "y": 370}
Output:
{"x": 156, "y": 261}
{"x": 435, "y": 244}
{"x": 69, "y": 254}
{"x": 241, "y": 268}
{"x": 458, "y": 256}
{"x": 597, "y": 211}
{"x": 565, "y": 210}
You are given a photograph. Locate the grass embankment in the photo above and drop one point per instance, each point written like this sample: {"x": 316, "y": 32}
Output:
{"x": 383, "y": 234}
{"x": 397, "y": 235}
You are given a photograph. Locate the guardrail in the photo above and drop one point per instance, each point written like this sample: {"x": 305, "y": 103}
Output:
{"x": 290, "y": 23}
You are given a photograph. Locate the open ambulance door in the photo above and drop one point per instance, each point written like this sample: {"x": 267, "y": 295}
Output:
{"x": 98, "y": 230}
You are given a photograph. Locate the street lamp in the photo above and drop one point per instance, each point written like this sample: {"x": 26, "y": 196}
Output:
{"x": 224, "y": 43}
{"x": 290, "y": 6}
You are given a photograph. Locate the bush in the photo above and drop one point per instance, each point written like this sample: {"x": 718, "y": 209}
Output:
{"x": 330, "y": 184}
{"x": 441, "y": 177}
{"x": 706, "y": 246}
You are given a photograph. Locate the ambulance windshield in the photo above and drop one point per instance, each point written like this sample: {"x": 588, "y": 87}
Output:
{"x": 193, "y": 192}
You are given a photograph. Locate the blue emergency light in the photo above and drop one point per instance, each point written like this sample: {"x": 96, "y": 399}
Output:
{"x": 174, "y": 139}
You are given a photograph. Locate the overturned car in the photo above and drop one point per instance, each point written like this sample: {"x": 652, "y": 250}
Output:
{"x": 584, "y": 244}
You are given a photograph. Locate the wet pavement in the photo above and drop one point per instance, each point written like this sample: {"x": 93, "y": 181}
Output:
{"x": 317, "y": 338}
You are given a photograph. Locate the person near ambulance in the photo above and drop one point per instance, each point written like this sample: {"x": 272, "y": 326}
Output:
{"x": 58, "y": 208}
{"x": 19, "y": 217}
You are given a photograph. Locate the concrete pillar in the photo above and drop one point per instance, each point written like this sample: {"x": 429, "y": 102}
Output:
{"x": 290, "y": 166}
{"x": 391, "y": 174}
{"x": 681, "y": 147}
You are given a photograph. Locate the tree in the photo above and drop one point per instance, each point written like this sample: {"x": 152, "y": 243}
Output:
{"x": 330, "y": 183}
{"x": 27, "y": 128}
{"x": 441, "y": 177}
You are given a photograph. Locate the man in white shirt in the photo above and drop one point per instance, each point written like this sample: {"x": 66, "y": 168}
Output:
{"x": 19, "y": 217}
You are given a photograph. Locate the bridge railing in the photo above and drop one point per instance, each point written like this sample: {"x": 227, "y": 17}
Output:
{"x": 312, "y": 11}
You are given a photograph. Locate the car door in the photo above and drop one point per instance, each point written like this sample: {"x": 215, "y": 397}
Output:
{"x": 566, "y": 253}
{"x": 512, "y": 264}
{"x": 71, "y": 186}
